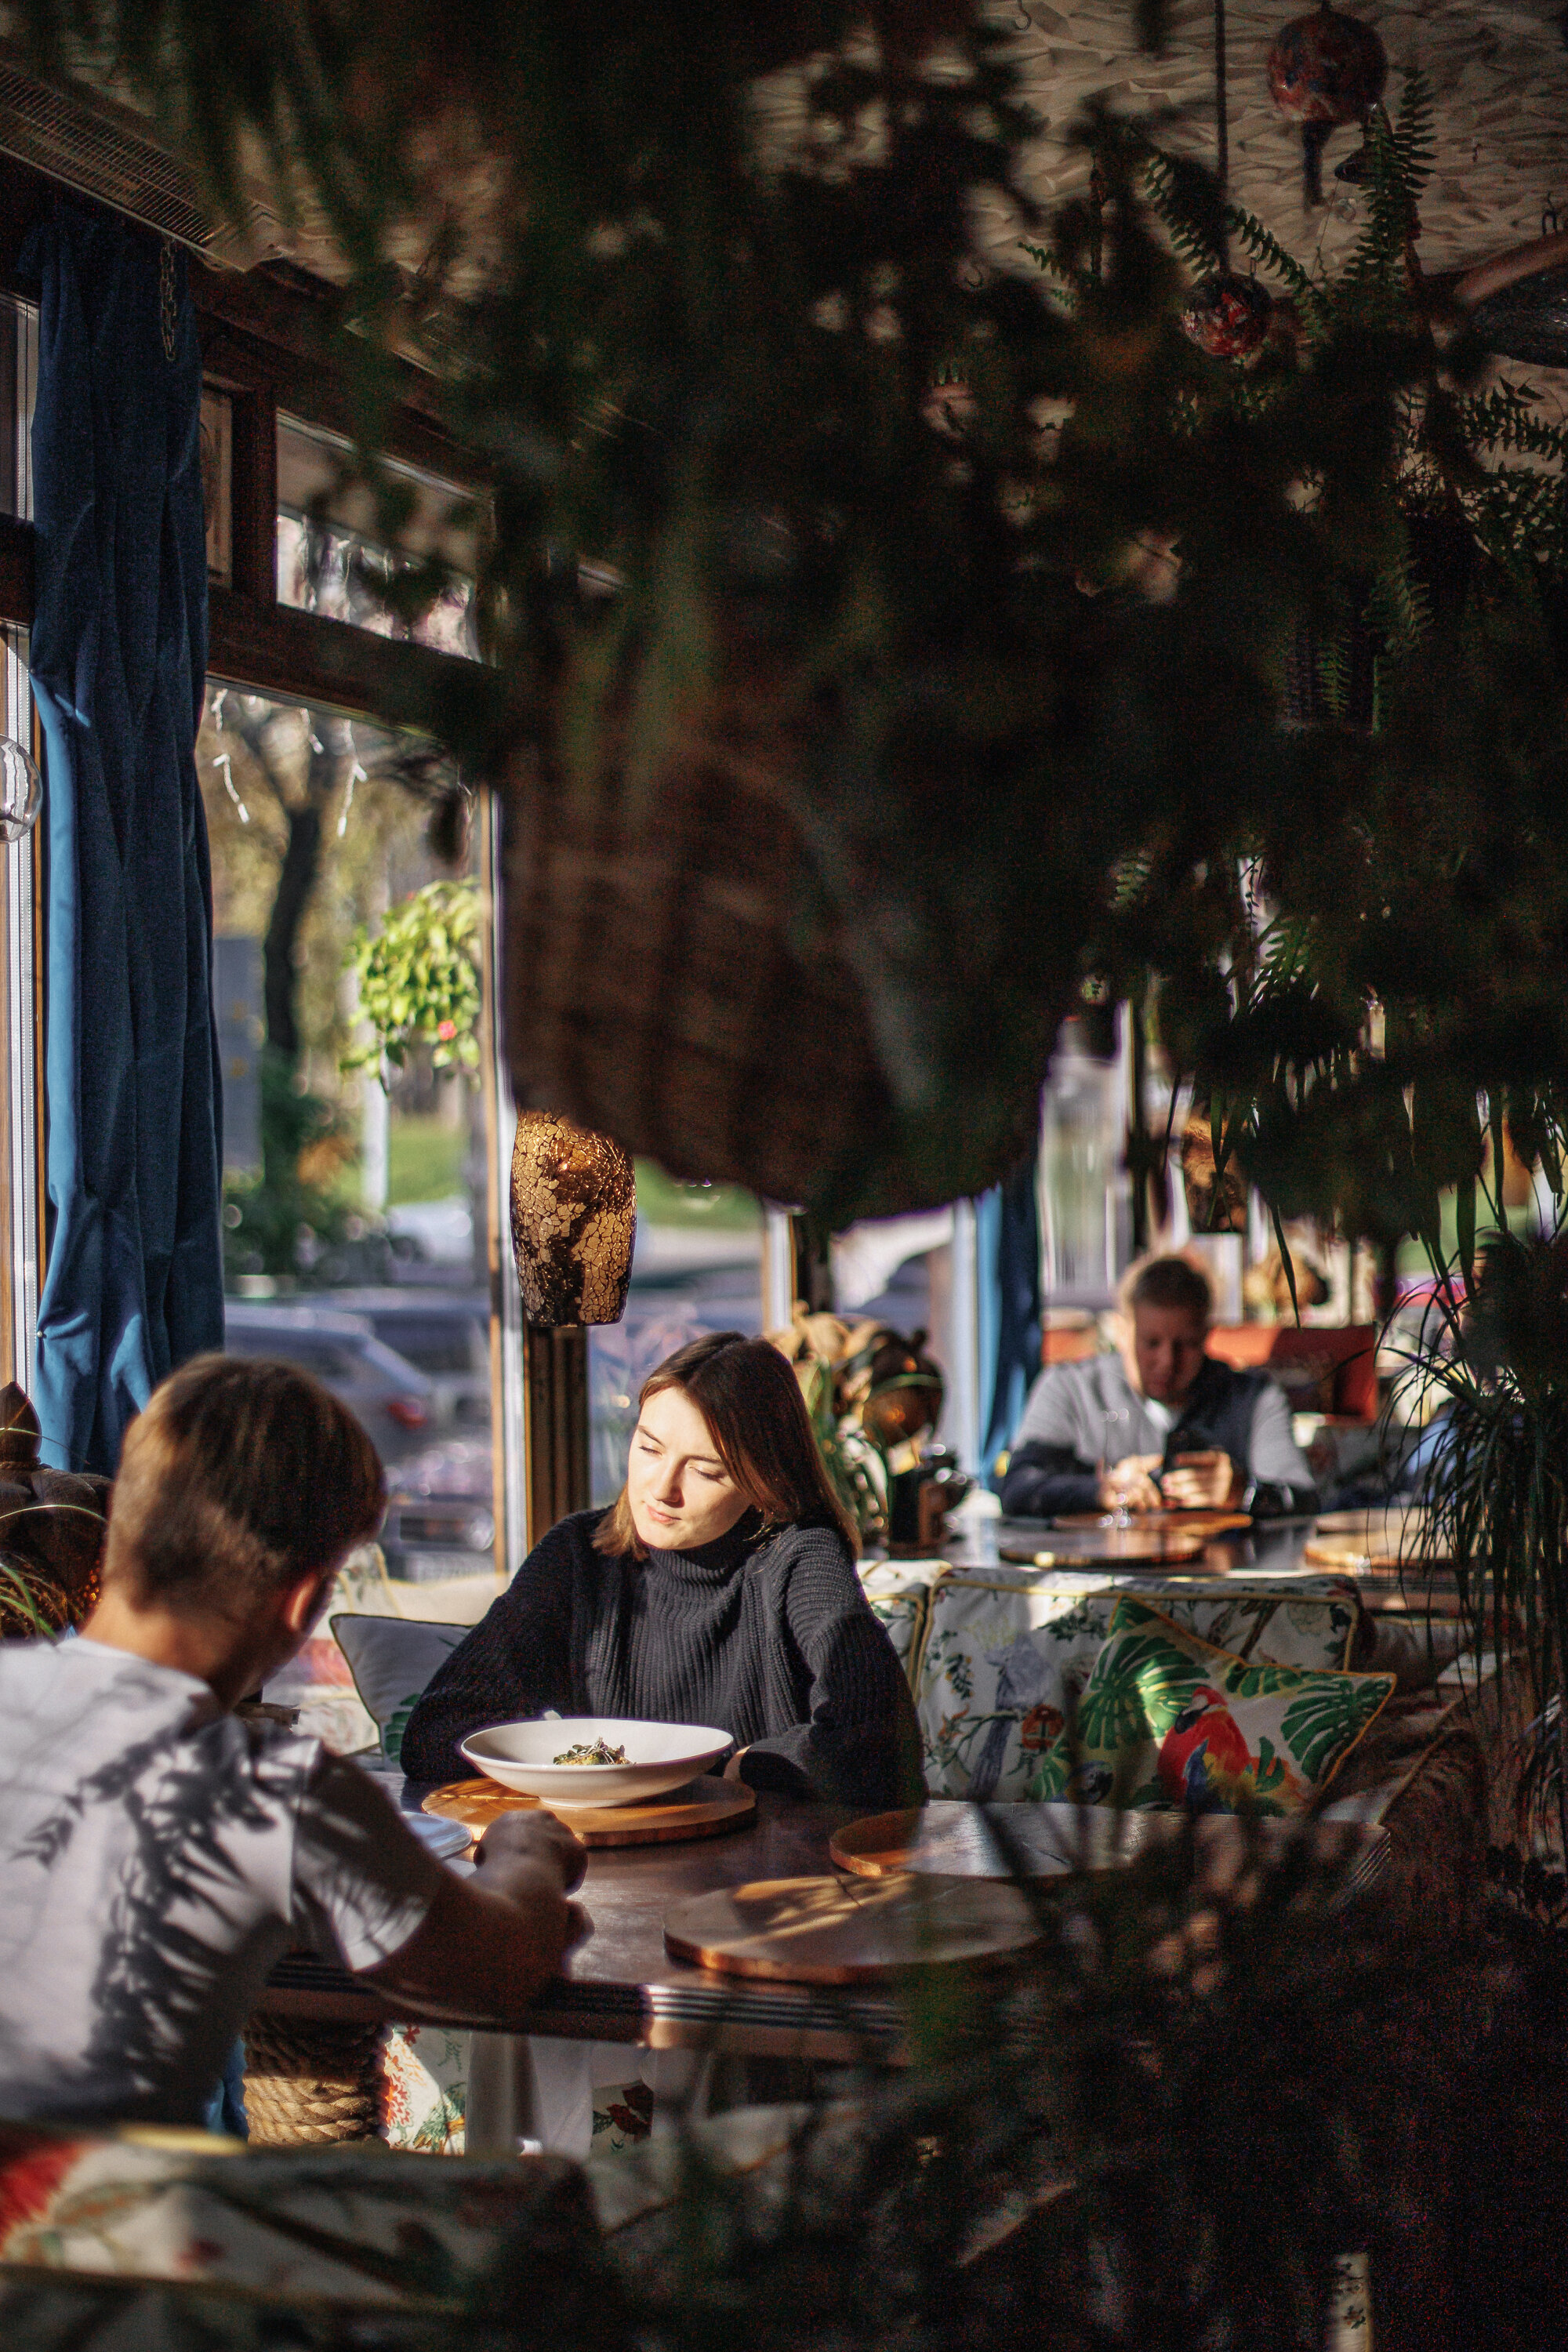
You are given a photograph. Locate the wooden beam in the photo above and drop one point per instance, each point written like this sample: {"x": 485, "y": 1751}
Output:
{"x": 275, "y": 649}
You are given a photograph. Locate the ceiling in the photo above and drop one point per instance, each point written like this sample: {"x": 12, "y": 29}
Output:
{"x": 1498, "y": 76}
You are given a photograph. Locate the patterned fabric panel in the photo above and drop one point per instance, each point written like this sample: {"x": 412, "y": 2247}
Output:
{"x": 330, "y": 2227}
{"x": 1168, "y": 1720}
{"x": 899, "y": 1592}
{"x": 425, "y": 2088}
{"x": 1006, "y": 1656}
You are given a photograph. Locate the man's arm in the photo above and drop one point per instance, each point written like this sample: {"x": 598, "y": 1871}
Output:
{"x": 364, "y": 1887}
{"x": 489, "y": 1943}
{"x": 1044, "y": 1481}
{"x": 1279, "y": 1481}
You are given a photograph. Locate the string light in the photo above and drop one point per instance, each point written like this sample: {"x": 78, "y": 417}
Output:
{"x": 357, "y": 773}
{"x": 224, "y": 766}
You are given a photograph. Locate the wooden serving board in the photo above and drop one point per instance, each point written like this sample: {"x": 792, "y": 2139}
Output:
{"x": 833, "y": 1932}
{"x": 1204, "y": 1524}
{"x": 954, "y": 1840}
{"x": 1376, "y": 1542}
{"x": 702, "y": 1809}
{"x": 1098, "y": 1547}
{"x": 949, "y": 1840}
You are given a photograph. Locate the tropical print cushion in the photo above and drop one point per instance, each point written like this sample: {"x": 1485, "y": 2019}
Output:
{"x": 425, "y": 2088}
{"x": 329, "y": 2227}
{"x": 899, "y": 1592}
{"x": 392, "y": 1659}
{"x": 1006, "y": 1656}
{"x": 1167, "y": 1719}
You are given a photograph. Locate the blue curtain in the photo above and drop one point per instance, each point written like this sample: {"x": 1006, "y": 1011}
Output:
{"x": 119, "y": 663}
{"x": 1007, "y": 1245}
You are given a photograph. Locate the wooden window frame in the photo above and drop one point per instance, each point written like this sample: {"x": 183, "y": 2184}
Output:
{"x": 263, "y": 340}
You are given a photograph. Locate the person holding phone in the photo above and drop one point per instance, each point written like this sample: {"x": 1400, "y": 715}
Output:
{"x": 1161, "y": 1425}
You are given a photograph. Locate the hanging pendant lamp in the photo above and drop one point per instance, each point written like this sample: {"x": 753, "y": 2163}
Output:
{"x": 1325, "y": 69}
{"x": 573, "y": 1221}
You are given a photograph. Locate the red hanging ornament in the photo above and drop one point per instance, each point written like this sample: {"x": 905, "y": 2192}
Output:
{"x": 1323, "y": 69}
{"x": 1226, "y": 315}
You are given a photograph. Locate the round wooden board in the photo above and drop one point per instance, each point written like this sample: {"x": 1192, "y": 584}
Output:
{"x": 1098, "y": 1547}
{"x": 949, "y": 1840}
{"x": 1205, "y": 1524}
{"x": 833, "y": 1932}
{"x": 702, "y": 1809}
{"x": 1381, "y": 1541}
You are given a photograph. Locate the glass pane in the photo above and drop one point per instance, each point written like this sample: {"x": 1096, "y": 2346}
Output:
{"x": 353, "y": 1217}
{"x": 698, "y": 1268}
{"x": 332, "y": 561}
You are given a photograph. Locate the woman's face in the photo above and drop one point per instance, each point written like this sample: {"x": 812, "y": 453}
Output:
{"x": 680, "y": 1494}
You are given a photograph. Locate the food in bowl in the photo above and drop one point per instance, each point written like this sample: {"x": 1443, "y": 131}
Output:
{"x": 592, "y": 1751}
{"x": 659, "y": 1757}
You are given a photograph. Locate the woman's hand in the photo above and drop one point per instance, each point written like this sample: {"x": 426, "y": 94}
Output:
{"x": 1202, "y": 1482}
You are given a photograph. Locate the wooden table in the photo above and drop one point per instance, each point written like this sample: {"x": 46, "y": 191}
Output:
{"x": 621, "y": 1985}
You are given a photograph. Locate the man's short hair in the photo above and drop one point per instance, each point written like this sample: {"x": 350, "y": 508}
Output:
{"x": 240, "y": 1477}
{"x": 1169, "y": 1282}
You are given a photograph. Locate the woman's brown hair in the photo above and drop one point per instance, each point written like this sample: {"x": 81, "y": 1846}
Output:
{"x": 752, "y": 1401}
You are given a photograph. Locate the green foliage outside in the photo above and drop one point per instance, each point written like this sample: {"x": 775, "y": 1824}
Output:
{"x": 424, "y": 1158}
{"x": 299, "y": 1195}
{"x": 721, "y": 1208}
{"x": 419, "y": 981}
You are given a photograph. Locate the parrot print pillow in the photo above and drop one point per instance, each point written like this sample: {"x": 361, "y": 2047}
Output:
{"x": 1166, "y": 1720}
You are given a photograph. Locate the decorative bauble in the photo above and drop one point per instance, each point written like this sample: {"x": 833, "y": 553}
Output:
{"x": 1323, "y": 69}
{"x": 573, "y": 1221}
{"x": 1226, "y": 315}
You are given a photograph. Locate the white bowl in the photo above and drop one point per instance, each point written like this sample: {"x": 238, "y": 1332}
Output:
{"x": 659, "y": 1757}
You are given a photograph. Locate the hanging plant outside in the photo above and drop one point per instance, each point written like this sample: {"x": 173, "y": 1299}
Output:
{"x": 419, "y": 981}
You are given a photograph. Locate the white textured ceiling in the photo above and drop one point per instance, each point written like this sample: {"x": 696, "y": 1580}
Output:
{"x": 1499, "y": 76}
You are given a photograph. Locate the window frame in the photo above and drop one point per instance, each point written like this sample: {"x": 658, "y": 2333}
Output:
{"x": 263, "y": 337}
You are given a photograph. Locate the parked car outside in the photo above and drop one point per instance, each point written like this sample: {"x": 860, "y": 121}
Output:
{"x": 441, "y": 1513}
{"x": 392, "y": 1399}
{"x": 446, "y": 1334}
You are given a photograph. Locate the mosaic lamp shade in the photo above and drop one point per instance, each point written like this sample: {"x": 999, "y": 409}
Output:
{"x": 574, "y": 1220}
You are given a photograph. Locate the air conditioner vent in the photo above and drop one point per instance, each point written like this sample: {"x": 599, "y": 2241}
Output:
{"x": 80, "y": 143}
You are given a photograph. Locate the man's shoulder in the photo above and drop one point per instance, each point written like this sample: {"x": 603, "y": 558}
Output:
{"x": 1235, "y": 1381}
{"x": 1088, "y": 1382}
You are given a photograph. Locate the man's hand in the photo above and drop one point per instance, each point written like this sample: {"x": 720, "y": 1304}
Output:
{"x": 488, "y": 1942}
{"x": 1130, "y": 1486}
{"x": 1202, "y": 1482}
{"x": 535, "y": 1840}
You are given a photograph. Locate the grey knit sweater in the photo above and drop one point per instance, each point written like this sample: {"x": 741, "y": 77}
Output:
{"x": 770, "y": 1639}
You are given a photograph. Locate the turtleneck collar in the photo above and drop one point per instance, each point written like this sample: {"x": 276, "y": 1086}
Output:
{"x": 713, "y": 1563}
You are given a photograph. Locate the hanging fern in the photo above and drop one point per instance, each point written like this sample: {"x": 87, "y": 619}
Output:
{"x": 1415, "y": 132}
{"x": 1265, "y": 251}
{"x": 1168, "y": 182}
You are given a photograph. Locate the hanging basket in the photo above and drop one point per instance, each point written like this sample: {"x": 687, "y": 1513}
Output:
{"x": 658, "y": 987}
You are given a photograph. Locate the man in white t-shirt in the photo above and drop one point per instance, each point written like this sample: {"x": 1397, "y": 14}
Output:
{"x": 157, "y": 1853}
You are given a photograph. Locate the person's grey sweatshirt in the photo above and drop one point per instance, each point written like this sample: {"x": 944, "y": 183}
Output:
{"x": 1079, "y": 1415}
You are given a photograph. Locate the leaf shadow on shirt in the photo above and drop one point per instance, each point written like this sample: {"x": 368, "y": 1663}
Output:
{"x": 153, "y": 1981}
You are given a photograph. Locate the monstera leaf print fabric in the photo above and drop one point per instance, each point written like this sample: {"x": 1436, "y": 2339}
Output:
{"x": 1006, "y": 1656}
{"x": 1166, "y": 1720}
